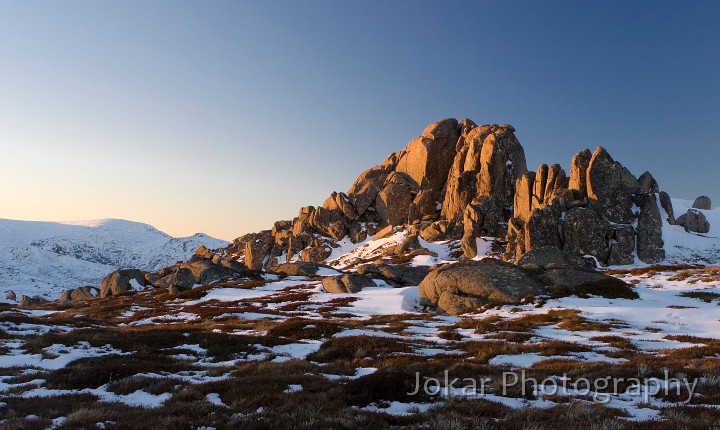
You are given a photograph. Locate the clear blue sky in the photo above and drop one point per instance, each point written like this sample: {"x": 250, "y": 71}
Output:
{"x": 224, "y": 116}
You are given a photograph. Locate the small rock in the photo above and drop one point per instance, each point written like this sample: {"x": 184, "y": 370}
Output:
{"x": 348, "y": 283}
{"x": 31, "y": 301}
{"x": 11, "y": 296}
{"x": 648, "y": 184}
{"x": 702, "y": 202}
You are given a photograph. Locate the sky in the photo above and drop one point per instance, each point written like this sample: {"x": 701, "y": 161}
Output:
{"x": 224, "y": 116}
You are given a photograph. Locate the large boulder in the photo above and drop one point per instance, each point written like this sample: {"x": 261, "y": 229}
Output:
{"x": 694, "y": 221}
{"x": 551, "y": 257}
{"x": 329, "y": 222}
{"x": 121, "y": 281}
{"x": 257, "y": 247}
{"x": 607, "y": 189}
{"x": 182, "y": 280}
{"x": 578, "y": 171}
{"x": 233, "y": 265}
{"x": 649, "y": 230}
{"x": 349, "y": 283}
{"x": 367, "y": 186}
{"x": 586, "y": 233}
{"x": 462, "y": 287}
{"x": 567, "y": 282}
{"x": 204, "y": 272}
{"x": 430, "y": 156}
{"x": 702, "y": 202}
{"x": 393, "y": 202}
{"x": 203, "y": 253}
{"x": 316, "y": 253}
{"x": 488, "y": 162}
{"x": 400, "y": 274}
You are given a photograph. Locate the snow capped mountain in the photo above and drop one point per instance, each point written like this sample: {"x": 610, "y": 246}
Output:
{"x": 49, "y": 257}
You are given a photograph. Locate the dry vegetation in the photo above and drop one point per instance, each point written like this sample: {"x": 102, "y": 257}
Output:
{"x": 163, "y": 358}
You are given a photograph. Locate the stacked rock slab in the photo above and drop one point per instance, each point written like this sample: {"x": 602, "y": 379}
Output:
{"x": 488, "y": 162}
{"x": 589, "y": 214}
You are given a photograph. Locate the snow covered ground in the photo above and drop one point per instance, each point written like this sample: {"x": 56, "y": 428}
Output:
{"x": 338, "y": 341}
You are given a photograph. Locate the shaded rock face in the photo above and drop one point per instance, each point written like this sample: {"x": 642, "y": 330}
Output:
{"x": 606, "y": 189}
{"x": 594, "y": 215}
{"x": 694, "y": 221}
{"x": 586, "y": 233}
{"x": 649, "y": 230}
{"x": 647, "y": 184}
{"x": 582, "y": 283}
{"x": 203, "y": 272}
{"x": 182, "y": 280}
{"x": 543, "y": 229}
{"x": 118, "y": 282}
{"x": 298, "y": 269}
{"x": 622, "y": 245}
{"x": 464, "y": 287}
{"x": 349, "y": 283}
{"x": 667, "y": 206}
{"x": 552, "y": 257}
{"x": 403, "y": 275}
{"x": 482, "y": 217}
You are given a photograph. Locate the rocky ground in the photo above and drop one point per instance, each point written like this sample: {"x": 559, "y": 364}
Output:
{"x": 275, "y": 351}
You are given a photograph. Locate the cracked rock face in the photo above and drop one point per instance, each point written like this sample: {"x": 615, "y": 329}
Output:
{"x": 649, "y": 230}
{"x": 606, "y": 189}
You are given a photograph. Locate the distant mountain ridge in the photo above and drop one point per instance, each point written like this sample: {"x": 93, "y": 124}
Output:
{"x": 49, "y": 257}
